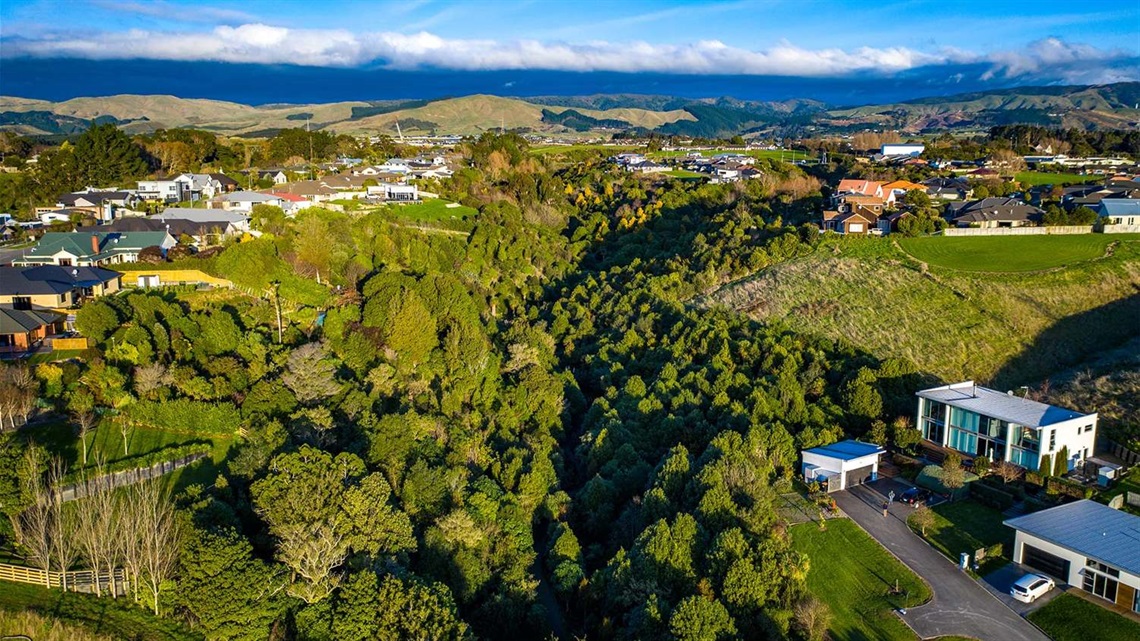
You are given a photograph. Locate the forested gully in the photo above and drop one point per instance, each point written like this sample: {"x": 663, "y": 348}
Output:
{"x": 522, "y": 430}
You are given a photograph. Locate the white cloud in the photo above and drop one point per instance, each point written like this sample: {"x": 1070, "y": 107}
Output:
{"x": 266, "y": 44}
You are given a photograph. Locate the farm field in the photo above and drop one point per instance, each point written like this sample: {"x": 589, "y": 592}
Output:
{"x": 1034, "y": 178}
{"x": 853, "y": 574}
{"x": 1005, "y": 329}
{"x": 1010, "y": 253}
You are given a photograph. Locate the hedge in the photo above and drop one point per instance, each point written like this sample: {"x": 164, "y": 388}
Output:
{"x": 1056, "y": 485}
{"x": 991, "y": 496}
{"x": 187, "y": 416}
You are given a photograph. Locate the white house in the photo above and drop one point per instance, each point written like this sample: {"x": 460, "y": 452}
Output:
{"x": 167, "y": 191}
{"x": 900, "y": 149}
{"x": 1085, "y": 544}
{"x": 395, "y": 192}
{"x": 1119, "y": 211}
{"x": 842, "y": 465}
{"x": 244, "y": 201}
{"x": 978, "y": 421}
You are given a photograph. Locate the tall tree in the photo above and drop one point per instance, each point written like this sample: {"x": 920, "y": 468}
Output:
{"x": 107, "y": 156}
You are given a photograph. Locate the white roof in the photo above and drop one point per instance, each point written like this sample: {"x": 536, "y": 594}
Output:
{"x": 249, "y": 197}
{"x": 999, "y": 405}
{"x": 203, "y": 215}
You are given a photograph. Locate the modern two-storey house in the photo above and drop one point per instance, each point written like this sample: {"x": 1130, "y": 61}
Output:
{"x": 978, "y": 421}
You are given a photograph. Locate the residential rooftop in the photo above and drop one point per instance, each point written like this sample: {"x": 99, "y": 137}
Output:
{"x": 846, "y": 450}
{"x": 1090, "y": 528}
{"x": 1000, "y": 405}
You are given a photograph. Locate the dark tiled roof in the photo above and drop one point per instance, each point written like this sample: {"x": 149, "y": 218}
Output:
{"x": 21, "y": 321}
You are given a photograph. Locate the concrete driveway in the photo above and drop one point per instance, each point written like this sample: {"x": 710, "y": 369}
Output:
{"x": 961, "y": 606}
{"x": 999, "y": 581}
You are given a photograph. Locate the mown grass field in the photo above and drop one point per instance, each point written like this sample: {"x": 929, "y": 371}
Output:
{"x": 853, "y": 575}
{"x": 1009, "y": 253}
{"x": 1004, "y": 329}
{"x": 787, "y": 155}
{"x": 1071, "y": 618}
{"x": 431, "y": 210}
{"x": 965, "y": 526}
{"x": 109, "y": 618}
{"x": 565, "y": 149}
{"x": 1034, "y": 178}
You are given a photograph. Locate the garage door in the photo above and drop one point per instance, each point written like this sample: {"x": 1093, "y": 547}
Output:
{"x": 859, "y": 476}
{"x": 1050, "y": 564}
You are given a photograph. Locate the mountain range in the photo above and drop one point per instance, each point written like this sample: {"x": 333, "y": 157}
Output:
{"x": 1112, "y": 106}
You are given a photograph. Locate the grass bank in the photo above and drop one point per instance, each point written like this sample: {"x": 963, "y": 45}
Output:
{"x": 1005, "y": 329}
{"x": 1009, "y": 253}
{"x": 965, "y": 526}
{"x": 854, "y": 575}
{"x": 117, "y": 619}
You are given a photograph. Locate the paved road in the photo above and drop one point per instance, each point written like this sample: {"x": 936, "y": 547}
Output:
{"x": 999, "y": 581}
{"x": 960, "y": 605}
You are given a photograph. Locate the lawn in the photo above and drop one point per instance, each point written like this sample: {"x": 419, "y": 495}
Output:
{"x": 1071, "y": 618}
{"x": 55, "y": 356}
{"x": 563, "y": 149}
{"x": 682, "y": 173}
{"x": 114, "y": 618}
{"x": 787, "y": 155}
{"x": 965, "y": 526}
{"x": 1130, "y": 483}
{"x": 1034, "y": 178}
{"x": 60, "y": 439}
{"x": 854, "y": 575}
{"x": 1008, "y": 253}
{"x": 431, "y": 210}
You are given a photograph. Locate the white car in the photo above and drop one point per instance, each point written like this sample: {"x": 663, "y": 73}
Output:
{"x": 1031, "y": 587}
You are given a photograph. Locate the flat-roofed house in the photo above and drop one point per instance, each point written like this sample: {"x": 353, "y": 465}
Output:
{"x": 1085, "y": 544}
{"x": 978, "y": 421}
{"x": 841, "y": 465}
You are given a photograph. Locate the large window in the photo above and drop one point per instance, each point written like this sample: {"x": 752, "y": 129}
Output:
{"x": 1025, "y": 458}
{"x": 964, "y": 420}
{"x": 1027, "y": 438}
{"x": 964, "y": 441}
{"x": 1101, "y": 580}
{"x": 933, "y": 415}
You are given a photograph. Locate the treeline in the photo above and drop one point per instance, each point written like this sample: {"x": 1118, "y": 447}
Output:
{"x": 1034, "y": 140}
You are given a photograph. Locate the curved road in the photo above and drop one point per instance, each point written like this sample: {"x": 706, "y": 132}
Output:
{"x": 961, "y": 606}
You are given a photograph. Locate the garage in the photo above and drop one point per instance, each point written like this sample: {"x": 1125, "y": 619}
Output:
{"x": 1050, "y": 564}
{"x": 859, "y": 476}
{"x": 841, "y": 465}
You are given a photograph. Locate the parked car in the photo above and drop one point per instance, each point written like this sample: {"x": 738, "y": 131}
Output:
{"x": 1031, "y": 587}
{"x": 915, "y": 496}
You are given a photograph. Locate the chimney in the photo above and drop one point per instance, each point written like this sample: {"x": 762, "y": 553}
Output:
{"x": 94, "y": 243}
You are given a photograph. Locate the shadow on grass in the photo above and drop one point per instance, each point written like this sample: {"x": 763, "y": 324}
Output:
{"x": 1072, "y": 340}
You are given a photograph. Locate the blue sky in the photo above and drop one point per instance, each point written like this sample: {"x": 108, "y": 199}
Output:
{"x": 1017, "y": 42}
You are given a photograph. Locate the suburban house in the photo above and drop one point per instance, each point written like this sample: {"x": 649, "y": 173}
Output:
{"x": 22, "y": 329}
{"x": 244, "y": 201}
{"x": 1085, "y": 544}
{"x": 392, "y": 192}
{"x": 205, "y": 226}
{"x": 902, "y": 149}
{"x": 101, "y": 205}
{"x": 899, "y": 188}
{"x": 53, "y": 287}
{"x": 1119, "y": 211}
{"x": 859, "y": 220}
{"x": 224, "y": 182}
{"x": 993, "y": 212}
{"x": 290, "y": 203}
{"x": 73, "y": 249}
{"x": 841, "y": 465}
{"x": 978, "y": 421}
{"x": 948, "y": 189}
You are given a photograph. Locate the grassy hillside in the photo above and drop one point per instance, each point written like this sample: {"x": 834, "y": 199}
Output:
{"x": 1007, "y": 329}
{"x": 467, "y": 115}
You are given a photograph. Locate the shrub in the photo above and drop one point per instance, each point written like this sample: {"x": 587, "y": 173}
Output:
{"x": 991, "y": 496}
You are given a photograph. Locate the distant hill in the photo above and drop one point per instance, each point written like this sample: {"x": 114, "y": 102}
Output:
{"x": 1098, "y": 106}
{"x": 1095, "y": 106}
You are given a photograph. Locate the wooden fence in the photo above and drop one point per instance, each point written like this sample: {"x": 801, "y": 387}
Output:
{"x": 77, "y": 580}
{"x": 1017, "y": 231}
